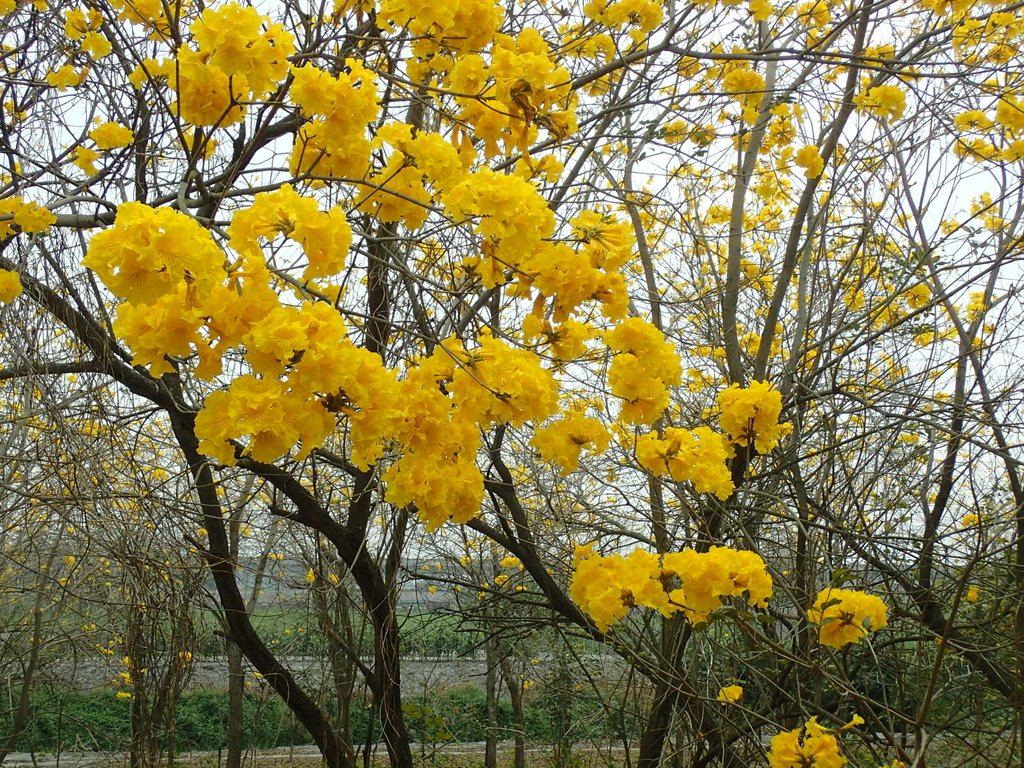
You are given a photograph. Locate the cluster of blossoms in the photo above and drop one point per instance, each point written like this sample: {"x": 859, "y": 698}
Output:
{"x": 562, "y": 441}
{"x": 503, "y": 98}
{"x": 109, "y": 135}
{"x": 641, "y": 372}
{"x": 846, "y": 616}
{"x": 607, "y": 588}
{"x": 698, "y": 457}
{"x": 749, "y": 415}
{"x": 83, "y": 26}
{"x": 730, "y": 694}
{"x": 747, "y": 87}
{"x": 240, "y": 56}
{"x": 810, "y": 746}
{"x": 645, "y": 15}
{"x": 180, "y": 298}
{"x": 10, "y": 286}
{"x": 28, "y": 216}
{"x": 886, "y": 102}
{"x": 993, "y": 38}
{"x": 339, "y": 108}
{"x": 436, "y": 421}
{"x": 325, "y": 236}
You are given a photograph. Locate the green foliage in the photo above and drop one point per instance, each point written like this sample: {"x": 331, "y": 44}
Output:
{"x": 100, "y": 721}
{"x": 438, "y": 635}
{"x": 71, "y": 720}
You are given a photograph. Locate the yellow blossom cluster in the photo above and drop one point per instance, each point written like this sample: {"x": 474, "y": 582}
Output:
{"x": 149, "y": 14}
{"x": 562, "y": 441}
{"x": 182, "y": 297}
{"x": 66, "y": 77}
{"x": 747, "y": 87}
{"x": 846, "y": 616}
{"x": 397, "y": 192}
{"x": 993, "y": 39}
{"x": 440, "y": 26}
{"x": 751, "y": 415}
{"x": 111, "y": 135}
{"x": 566, "y": 340}
{"x": 698, "y": 457}
{"x": 886, "y": 102}
{"x": 517, "y": 225}
{"x": 730, "y": 694}
{"x": 918, "y": 296}
{"x": 165, "y": 265}
{"x": 809, "y": 158}
{"x": 10, "y": 286}
{"x": 266, "y": 410}
{"x": 28, "y": 216}
{"x": 340, "y": 107}
{"x": 435, "y": 419}
{"x": 645, "y": 15}
{"x": 504, "y": 99}
{"x": 643, "y": 368}
{"x": 325, "y": 236}
{"x": 1001, "y": 135}
{"x": 977, "y": 305}
{"x": 514, "y": 217}
{"x": 607, "y": 588}
{"x": 240, "y": 56}
{"x": 83, "y": 26}
{"x": 810, "y": 746}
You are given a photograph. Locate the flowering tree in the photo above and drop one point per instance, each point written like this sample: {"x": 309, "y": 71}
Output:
{"x": 696, "y": 311}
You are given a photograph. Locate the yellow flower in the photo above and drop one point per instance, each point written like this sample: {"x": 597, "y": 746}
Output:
{"x": 111, "y": 136}
{"x": 96, "y": 45}
{"x": 809, "y": 158}
{"x": 811, "y": 746}
{"x": 730, "y": 694}
{"x": 562, "y": 441}
{"x": 10, "y": 286}
{"x": 85, "y": 158}
{"x": 751, "y": 415}
{"x": 606, "y": 588}
{"x": 846, "y": 616}
{"x": 65, "y": 77}
{"x": 883, "y": 101}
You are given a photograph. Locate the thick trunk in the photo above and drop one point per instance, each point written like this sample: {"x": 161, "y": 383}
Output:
{"x": 659, "y": 717}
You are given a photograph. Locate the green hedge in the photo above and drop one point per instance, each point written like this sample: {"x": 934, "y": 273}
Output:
{"x": 69, "y": 720}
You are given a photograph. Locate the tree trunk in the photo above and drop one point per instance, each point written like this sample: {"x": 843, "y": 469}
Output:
{"x": 491, "y": 693}
{"x": 23, "y": 711}
{"x": 515, "y": 695}
{"x": 236, "y": 702}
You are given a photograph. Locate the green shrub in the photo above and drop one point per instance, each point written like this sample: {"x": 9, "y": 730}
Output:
{"x": 98, "y": 720}
{"x": 74, "y": 720}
